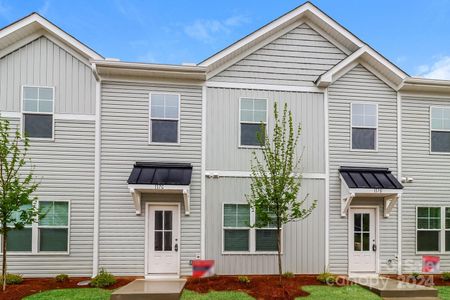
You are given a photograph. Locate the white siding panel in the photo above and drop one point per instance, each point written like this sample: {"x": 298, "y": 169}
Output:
{"x": 125, "y": 112}
{"x": 296, "y": 58}
{"x": 44, "y": 63}
{"x": 359, "y": 85}
{"x": 222, "y": 149}
{"x": 304, "y": 241}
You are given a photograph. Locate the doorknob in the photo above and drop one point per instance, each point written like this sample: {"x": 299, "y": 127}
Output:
{"x": 176, "y": 247}
{"x": 374, "y": 247}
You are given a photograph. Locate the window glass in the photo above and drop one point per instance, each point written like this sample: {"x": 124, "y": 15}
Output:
{"x": 440, "y": 141}
{"x": 251, "y": 134}
{"x": 38, "y": 99}
{"x": 253, "y": 113}
{"x": 440, "y": 118}
{"x": 364, "y": 126}
{"x": 236, "y": 216}
{"x": 164, "y": 114}
{"x": 428, "y": 229}
{"x": 266, "y": 240}
{"x": 53, "y": 226}
{"x": 19, "y": 240}
{"x": 236, "y": 240}
{"x": 428, "y": 240}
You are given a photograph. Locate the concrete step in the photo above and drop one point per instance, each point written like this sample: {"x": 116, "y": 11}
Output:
{"x": 150, "y": 289}
{"x": 389, "y": 288}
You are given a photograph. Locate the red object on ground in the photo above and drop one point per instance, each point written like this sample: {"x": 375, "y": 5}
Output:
{"x": 35, "y": 285}
{"x": 202, "y": 268}
{"x": 260, "y": 287}
{"x": 430, "y": 264}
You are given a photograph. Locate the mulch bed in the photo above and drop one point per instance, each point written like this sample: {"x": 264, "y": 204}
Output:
{"x": 34, "y": 285}
{"x": 260, "y": 287}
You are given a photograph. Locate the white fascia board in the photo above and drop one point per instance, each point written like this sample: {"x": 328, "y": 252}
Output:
{"x": 53, "y": 29}
{"x": 296, "y": 13}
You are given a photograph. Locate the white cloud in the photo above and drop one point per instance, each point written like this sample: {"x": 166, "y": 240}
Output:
{"x": 440, "y": 69}
{"x": 44, "y": 9}
{"x": 130, "y": 11}
{"x": 147, "y": 57}
{"x": 208, "y": 30}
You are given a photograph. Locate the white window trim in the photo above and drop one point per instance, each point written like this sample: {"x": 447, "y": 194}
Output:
{"x": 363, "y": 127}
{"x": 251, "y": 236}
{"x": 441, "y": 231}
{"x": 169, "y": 119}
{"x": 440, "y": 130}
{"x": 35, "y": 235}
{"x": 239, "y": 120}
{"x": 22, "y": 112}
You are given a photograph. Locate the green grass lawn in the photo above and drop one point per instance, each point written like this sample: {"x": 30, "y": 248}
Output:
{"x": 353, "y": 292}
{"x": 444, "y": 292}
{"x": 72, "y": 294}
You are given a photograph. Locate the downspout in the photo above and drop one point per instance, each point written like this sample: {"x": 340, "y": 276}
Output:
{"x": 97, "y": 164}
{"x": 327, "y": 183}
{"x": 203, "y": 179}
{"x": 399, "y": 177}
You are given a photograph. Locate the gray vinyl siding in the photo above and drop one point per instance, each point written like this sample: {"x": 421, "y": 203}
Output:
{"x": 222, "y": 149}
{"x": 65, "y": 170}
{"x": 360, "y": 85}
{"x": 124, "y": 129}
{"x": 431, "y": 186}
{"x": 43, "y": 63}
{"x": 296, "y": 58}
{"x": 303, "y": 246}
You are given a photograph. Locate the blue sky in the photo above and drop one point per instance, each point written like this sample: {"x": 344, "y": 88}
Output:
{"x": 413, "y": 34}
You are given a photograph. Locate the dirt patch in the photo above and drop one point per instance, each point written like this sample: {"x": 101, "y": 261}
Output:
{"x": 260, "y": 287}
{"x": 35, "y": 285}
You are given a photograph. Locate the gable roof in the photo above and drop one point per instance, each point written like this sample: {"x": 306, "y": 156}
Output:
{"x": 310, "y": 13}
{"x": 365, "y": 55}
{"x": 35, "y": 25}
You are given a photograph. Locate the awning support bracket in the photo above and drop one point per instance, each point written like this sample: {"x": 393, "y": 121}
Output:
{"x": 389, "y": 203}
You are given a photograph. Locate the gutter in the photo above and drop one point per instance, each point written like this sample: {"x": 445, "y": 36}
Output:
{"x": 97, "y": 166}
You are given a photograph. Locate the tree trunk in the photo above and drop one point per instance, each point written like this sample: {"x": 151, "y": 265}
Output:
{"x": 5, "y": 235}
{"x": 280, "y": 267}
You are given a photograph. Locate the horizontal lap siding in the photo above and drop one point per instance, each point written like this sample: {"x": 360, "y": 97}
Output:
{"x": 303, "y": 242}
{"x": 65, "y": 170}
{"x": 296, "y": 58}
{"x": 431, "y": 185}
{"x": 222, "y": 150}
{"x": 124, "y": 121}
{"x": 43, "y": 63}
{"x": 359, "y": 85}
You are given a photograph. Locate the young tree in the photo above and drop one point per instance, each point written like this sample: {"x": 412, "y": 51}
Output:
{"x": 276, "y": 178}
{"x": 16, "y": 186}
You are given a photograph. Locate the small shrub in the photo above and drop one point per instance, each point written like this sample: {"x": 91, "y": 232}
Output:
{"x": 12, "y": 279}
{"x": 445, "y": 276}
{"x": 103, "y": 279}
{"x": 416, "y": 275}
{"x": 62, "y": 278}
{"x": 327, "y": 277}
{"x": 244, "y": 279}
{"x": 288, "y": 275}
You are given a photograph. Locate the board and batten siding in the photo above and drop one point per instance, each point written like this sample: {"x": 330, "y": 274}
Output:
{"x": 43, "y": 63}
{"x": 431, "y": 185}
{"x": 222, "y": 118}
{"x": 303, "y": 247}
{"x": 125, "y": 131}
{"x": 65, "y": 170}
{"x": 296, "y": 58}
{"x": 360, "y": 85}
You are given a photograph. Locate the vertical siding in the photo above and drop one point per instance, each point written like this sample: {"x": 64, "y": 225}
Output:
{"x": 359, "y": 85}
{"x": 431, "y": 185}
{"x": 125, "y": 112}
{"x": 222, "y": 149}
{"x": 296, "y": 58}
{"x": 303, "y": 245}
{"x": 65, "y": 169}
{"x": 43, "y": 63}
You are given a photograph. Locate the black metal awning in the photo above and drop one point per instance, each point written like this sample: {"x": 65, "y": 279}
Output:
{"x": 369, "y": 182}
{"x": 161, "y": 173}
{"x": 152, "y": 177}
{"x": 369, "y": 178}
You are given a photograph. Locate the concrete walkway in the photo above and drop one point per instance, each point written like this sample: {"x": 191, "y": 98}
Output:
{"x": 151, "y": 289}
{"x": 390, "y": 289}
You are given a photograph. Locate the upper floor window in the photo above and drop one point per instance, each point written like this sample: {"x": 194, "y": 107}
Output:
{"x": 364, "y": 126}
{"x": 164, "y": 118}
{"x": 440, "y": 129}
{"x": 253, "y": 121}
{"x": 37, "y": 111}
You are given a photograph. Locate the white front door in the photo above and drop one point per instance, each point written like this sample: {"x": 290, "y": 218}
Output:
{"x": 362, "y": 240}
{"x": 163, "y": 240}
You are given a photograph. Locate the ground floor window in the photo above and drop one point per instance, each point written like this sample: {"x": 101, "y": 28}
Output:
{"x": 49, "y": 234}
{"x": 240, "y": 236}
{"x": 433, "y": 229}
